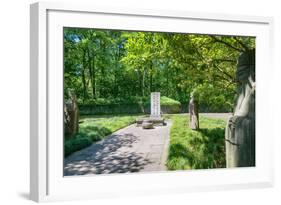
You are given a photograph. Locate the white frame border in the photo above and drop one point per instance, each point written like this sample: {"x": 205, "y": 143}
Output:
{"x": 39, "y": 95}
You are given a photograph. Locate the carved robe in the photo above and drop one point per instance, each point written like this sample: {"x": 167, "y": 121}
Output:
{"x": 240, "y": 129}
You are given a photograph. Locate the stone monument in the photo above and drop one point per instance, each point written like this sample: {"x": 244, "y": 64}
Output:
{"x": 155, "y": 113}
{"x": 193, "y": 113}
{"x": 71, "y": 115}
{"x": 240, "y": 129}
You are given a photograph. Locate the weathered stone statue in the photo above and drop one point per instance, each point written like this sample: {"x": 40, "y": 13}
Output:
{"x": 240, "y": 131}
{"x": 193, "y": 113}
{"x": 71, "y": 115}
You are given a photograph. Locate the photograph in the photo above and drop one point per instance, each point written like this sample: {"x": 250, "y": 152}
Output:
{"x": 143, "y": 101}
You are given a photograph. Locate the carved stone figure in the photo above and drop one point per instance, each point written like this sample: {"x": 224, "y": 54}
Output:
{"x": 71, "y": 115}
{"x": 193, "y": 114}
{"x": 240, "y": 130}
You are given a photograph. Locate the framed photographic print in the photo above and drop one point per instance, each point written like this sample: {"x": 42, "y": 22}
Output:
{"x": 127, "y": 102}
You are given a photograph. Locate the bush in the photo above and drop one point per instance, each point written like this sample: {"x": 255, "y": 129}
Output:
{"x": 132, "y": 105}
{"x": 76, "y": 143}
{"x": 169, "y": 105}
{"x": 113, "y": 101}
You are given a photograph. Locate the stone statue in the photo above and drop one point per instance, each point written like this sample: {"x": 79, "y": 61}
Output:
{"x": 71, "y": 115}
{"x": 240, "y": 129}
{"x": 193, "y": 113}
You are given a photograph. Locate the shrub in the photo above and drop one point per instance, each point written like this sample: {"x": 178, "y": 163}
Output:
{"x": 76, "y": 143}
{"x": 169, "y": 105}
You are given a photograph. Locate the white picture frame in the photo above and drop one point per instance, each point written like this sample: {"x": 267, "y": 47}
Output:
{"x": 46, "y": 70}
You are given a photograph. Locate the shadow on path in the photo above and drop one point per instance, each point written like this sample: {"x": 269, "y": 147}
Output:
{"x": 108, "y": 156}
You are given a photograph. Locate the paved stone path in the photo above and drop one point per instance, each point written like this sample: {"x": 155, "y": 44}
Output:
{"x": 131, "y": 149}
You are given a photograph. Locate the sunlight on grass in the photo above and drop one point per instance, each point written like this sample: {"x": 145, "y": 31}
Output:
{"x": 95, "y": 128}
{"x": 200, "y": 149}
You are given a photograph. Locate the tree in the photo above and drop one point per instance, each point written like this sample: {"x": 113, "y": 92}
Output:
{"x": 110, "y": 66}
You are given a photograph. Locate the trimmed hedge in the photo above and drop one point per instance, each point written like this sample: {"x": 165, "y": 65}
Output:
{"x": 168, "y": 105}
{"x": 76, "y": 143}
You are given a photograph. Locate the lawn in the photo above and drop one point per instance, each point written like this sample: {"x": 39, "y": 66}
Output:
{"x": 94, "y": 128}
{"x": 202, "y": 149}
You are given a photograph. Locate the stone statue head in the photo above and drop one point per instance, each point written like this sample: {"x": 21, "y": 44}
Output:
{"x": 246, "y": 66}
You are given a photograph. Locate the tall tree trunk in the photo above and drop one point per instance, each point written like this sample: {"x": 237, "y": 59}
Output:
{"x": 151, "y": 68}
{"x": 167, "y": 83}
{"x": 84, "y": 77}
{"x": 143, "y": 85}
{"x": 117, "y": 57}
{"x": 91, "y": 61}
{"x": 140, "y": 82}
{"x": 94, "y": 78}
{"x": 102, "y": 90}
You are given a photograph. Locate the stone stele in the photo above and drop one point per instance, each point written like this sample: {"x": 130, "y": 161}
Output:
{"x": 155, "y": 111}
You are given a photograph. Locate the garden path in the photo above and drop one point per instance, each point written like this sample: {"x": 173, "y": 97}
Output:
{"x": 131, "y": 149}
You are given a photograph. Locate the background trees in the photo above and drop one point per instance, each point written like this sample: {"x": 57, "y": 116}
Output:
{"x": 106, "y": 66}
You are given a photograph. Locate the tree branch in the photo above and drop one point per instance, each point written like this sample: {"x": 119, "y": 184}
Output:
{"x": 224, "y": 60}
{"x": 225, "y": 73}
{"x": 241, "y": 43}
{"x": 225, "y": 43}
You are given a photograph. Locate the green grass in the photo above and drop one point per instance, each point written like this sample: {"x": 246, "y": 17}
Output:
{"x": 168, "y": 101}
{"x": 95, "y": 128}
{"x": 202, "y": 149}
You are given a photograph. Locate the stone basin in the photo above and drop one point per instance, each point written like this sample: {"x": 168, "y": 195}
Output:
{"x": 153, "y": 121}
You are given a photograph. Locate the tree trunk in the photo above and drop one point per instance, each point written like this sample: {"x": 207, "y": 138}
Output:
{"x": 83, "y": 77}
{"x": 94, "y": 79}
{"x": 143, "y": 85}
{"x": 91, "y": 63}
{"x": 151, "y": 68}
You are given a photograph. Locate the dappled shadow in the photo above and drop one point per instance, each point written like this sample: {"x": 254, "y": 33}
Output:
{"x": 105, "y": 157}
{"x": 96, "y": 132}
{"x": 205, "y": 149}
{"x": 213, "y": 145}
{"x": 212, "y": 133}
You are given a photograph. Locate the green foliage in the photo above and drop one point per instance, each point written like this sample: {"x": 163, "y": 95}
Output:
{"x": 118, "y": 67}
{"x": 130, "y": 105}
{"x": 114, "y": 101}
{"x": 168, "y": 101}
{"x": 201, "y": 149}
{"x": 76, "y": 143}
{"x": 95, "y": 128}
{"x": 169, "y": 105}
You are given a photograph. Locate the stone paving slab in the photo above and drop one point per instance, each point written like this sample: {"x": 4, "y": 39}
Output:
{"x": 131, "y": 149}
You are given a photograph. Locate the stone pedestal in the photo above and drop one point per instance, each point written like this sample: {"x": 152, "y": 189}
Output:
{"x": 147, "y": 124}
